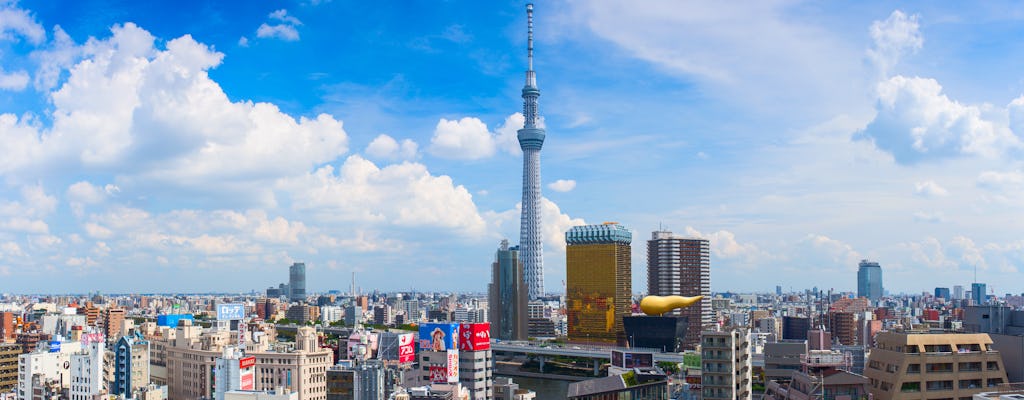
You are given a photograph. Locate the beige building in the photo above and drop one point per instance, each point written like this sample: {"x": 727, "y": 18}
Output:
{"x": 726, "y": 364}
{"x": 297, "y": 367}
{"x": 933, "y": 366}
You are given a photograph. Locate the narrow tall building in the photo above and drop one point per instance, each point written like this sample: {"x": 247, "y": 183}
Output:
{"x": 598, "y": 282}
{"x": 531, "y": 139}
{"x": 507, "y": 295}
{"x": 869, "y": 280}
{"x": 297, "y": 282}
{"x": 978, "y": 294}
{"x": 678, "y": 266}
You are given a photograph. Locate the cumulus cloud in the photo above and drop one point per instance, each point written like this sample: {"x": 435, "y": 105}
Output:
{"x": 282, "y": 26}
{"x": 930, "y": 189}
{"x": 725, "y": 245}
{"x": 562, "y": 185}
{"x": 470, "y": 139}
{"x": 894, "y": 37}
{"x": 156, "y": 114}
{"x": 385, "y": 147}
{"x": 403, "y": 194}
{"x": 915, "y": 121}
{"x": 15, "y": 81}
{"x": 997, "y": 180}
{"x": 16, "y": 22}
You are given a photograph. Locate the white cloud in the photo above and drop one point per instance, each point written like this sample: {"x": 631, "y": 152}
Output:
{"x": 930, "y": 217}
{"x": 403, "y": 194}
{"x": 916, "y": 121}
{"x": 283, "y": 29}
{"x": 562, "y": 185}
{"x": 14, "y": 81}
{"x": 385, "y": 147}
{"x": 554, "y": 224}
{"x": 58, "y": 55}
{"x": 466, "y": 139}
{"x": 930, "y": 189}
{"x": 893, "y": 37}
{"x": 997, "y": 180}
{"x": 243, "y": 41}
{"x": 15, "y": 22}
{"x": 725, "y": 245}
{"x": 469, "y": 138}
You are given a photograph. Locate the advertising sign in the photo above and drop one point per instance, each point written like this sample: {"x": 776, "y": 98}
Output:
{"x": 439, "y": 336}
{"x": 406, "y": 349}
{"x": 54, "y": 346}
{"x": 437, "y": 374}
{"x": 247, "y": 381}
{"x": 227, "y": 312}
{"x": 629, "y": 360}
{"x": 475, "y": 337}
{"x": 246, "y": 362}
{"x": 453, "y": 366}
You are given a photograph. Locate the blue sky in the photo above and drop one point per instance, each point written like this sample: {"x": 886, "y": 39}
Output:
{"x": 205, "y": 146}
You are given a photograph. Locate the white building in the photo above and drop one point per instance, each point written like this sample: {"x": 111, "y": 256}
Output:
{"x": 87, "y": 373}
{"x": 329, "y": 314}
{"x": 726, "y": 364}
{"x": 47, "y": 366}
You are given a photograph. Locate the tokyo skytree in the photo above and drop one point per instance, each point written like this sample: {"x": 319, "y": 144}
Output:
{"x": 531, "y": 139}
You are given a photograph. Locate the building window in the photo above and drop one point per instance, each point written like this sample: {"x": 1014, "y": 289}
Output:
{"x": 969, "y": 366}
{"x": 970, "y": 383}
{"x": 992, "y": 365}
{"x": 939, "y": 385}
{"x": 911, "y": 387}
{"x": 939, "y": 367}
{"x": 995, "y": 382}
{"x": 913, "y": 368}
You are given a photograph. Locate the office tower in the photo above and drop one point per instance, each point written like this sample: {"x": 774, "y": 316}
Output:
{"x": 958, "y": 292}
{"x": 678, "y": 266}
{"x": 778, "y": 290}
{"x": 112, "y": 320}
{"x": 362, "y": 380}
{"x": 795, "y": 328}
{"x": 978, "y": 294}
{"x": 869, "y": 280}
{"x": 932, "y": 366}
{"x": 598, "y": 282}
{"x": 942, "y": 293}
{"x": 531, "y": 139}
{"x": 726, "y": 371}
{"x": 297, "y": 282}
{"x": 507, "y": 295}
{"x": 131, "y": 364}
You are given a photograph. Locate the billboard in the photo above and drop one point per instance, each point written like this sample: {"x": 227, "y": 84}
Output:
{"x": 171, "y": 320}
{"x": 406, "y": 348}
{"x": 92, "y": 338}
{"x": 437, "y": 374}
{"x": 246, "y": 362}
{"x": 630, "y": 360}
{"x": 247, "y": 373}
{"x": 230, "y": 311}
{"x": 453, "y": 366}
{"x": 475, "y": 337}
{"x": 439, "y": 336}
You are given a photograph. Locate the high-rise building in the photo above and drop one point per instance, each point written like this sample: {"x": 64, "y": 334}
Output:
{"x": 131, "y": 365}
{"x": 958, "y": 292}
{"x": 507, "y": 295}
{"x": 113, "y": 318}
{"x": 933, "y": 366}
{"x": 726, "y": 371}
{"x": 9, "y": 353}
{"x": 869, "y": 280}
{"x": 531, "y": 139}
{"x": 942, "y": 293}
{"x": 678, "y": 266}
{"x": 6, "y": 325}
{"x": 598, "y": 282}
{"x": 87, "y": 372}
{"x": 297, "y": 282}
{"x": 978, "y": 294}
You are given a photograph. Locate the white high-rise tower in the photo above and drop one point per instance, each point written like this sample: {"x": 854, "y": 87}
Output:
{"x": 531, "y": 139}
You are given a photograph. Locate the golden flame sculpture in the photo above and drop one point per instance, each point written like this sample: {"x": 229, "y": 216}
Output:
{"x": 657, "y": 305}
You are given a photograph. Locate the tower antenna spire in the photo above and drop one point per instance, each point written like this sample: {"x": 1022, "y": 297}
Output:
{"x": 529, "y": 40}
{"x": 531, "y": 139}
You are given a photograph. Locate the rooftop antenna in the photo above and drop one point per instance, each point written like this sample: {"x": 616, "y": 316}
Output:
{"x": 529, "y": 41}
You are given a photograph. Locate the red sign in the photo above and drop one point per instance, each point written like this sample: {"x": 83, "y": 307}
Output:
{"x": 248, "y": 381}
{"x": 247, "y": 362}
{"x": 475, "y": 337}
{"x": 437, "y": 374}
{"x": 406, "y": 348}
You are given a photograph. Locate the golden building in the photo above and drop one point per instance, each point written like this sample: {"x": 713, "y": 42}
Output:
{"x": 933, "y": 366}
{"x": 598, "y": 282}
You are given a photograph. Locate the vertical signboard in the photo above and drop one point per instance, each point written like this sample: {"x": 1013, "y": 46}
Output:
{"x": 406, "y": 351}
{"x": 247, "y": 373}
{"x": 453, "y": 366}
{"x": 438, "y": 374}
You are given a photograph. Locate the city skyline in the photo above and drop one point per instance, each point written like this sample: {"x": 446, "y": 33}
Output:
{"x": 206, "y": 147}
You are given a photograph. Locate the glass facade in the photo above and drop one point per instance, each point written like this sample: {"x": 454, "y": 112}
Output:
{"x": 598, "y": 283}
{"x": 507, "y": 294}
{"x": 297, "y": 282}
{"x": 869, "y": 280}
